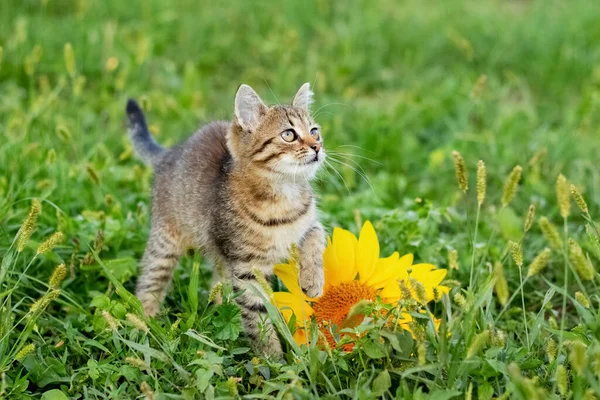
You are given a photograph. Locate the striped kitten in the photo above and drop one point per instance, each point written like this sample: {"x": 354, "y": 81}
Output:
{"x": 240, "y": 192}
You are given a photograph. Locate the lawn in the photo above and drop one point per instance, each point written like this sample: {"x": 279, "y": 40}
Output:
{"x": 399, "y": 86}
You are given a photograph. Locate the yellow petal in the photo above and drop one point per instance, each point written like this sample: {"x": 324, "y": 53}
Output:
{"x": 391, "y": 293}
{"x": 289, "y": 304}
{"x": 341, "y": 265}
{"x": 404, "y": 322}
{"x": 421, "y": 268}
{"x": 427, "y": 275}
{"x": 367, "y": 252}
{"x": 442, "y": 290}
{"x": 288, "y": 274}
{"x": 430, "y": 278}
{"x": 300, "y": 336}
{"x": 389, "y": 269}
{"x": 330, "y": 266}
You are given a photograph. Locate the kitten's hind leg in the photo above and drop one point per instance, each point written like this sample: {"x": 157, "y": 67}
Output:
{"x": 160, "y": 258}
{"x": 255, "y": 320}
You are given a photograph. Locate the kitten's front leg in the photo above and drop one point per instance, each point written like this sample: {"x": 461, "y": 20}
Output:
{"x": 310, "y": 251}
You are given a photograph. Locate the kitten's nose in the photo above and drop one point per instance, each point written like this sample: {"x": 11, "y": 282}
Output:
{"x": 316, "y": 147}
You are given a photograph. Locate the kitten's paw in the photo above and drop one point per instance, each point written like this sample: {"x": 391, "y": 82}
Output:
{"x": 312, "y": 280}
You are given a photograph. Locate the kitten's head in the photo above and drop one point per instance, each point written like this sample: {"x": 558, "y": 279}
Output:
{"x": 280, "y": 139}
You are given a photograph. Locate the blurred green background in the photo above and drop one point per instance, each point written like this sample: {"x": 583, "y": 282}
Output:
{"x": 393, "y": 78}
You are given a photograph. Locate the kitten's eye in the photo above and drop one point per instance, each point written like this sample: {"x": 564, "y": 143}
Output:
{"x": 289, "y": 135}
{"x": 314, "y": 132}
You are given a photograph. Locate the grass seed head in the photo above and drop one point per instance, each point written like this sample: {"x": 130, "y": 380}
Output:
{"x": 63, "y": 132}
{"x": 498, "y": 338}
{"x": 550, "y": 233}
{"x": 511, "y": 185}
{"x": 529, "y": 218}
{"x": 582, "y": 299}
{"x": 563, "y": 196}
{"x": 579, "y": 200}
{"x": 481, "y": 182}
{"x": 516, "y": 252}
{"x": 593, "y": 237}
{"x": 453, "y": 259}
{"x": 460, "y": 300}
{"x": 262, "y": 281}
{"x": 578, "y": 357}
{"x": 137, "y": 363}
{"x": 58, "y": 275}
{"x": 40, "y": 304}
{"x": 50, "y": 243}
{"x": 99, "y": 241}
{"x": 69, "y": 55}
{"x": 562, "y": 380}
{"x": 146, "y": 391}
{"x": 29, "y": 225}
{"x": 539, "y": 262}
{"x": 93, "y": 174}
{"x": 215, "y": 292}
{"x": 422, "y": 353}
{"x": 469, "y": 394}
{"x": 405, "y": 290}
{"x": 137, "y": 322}
{"x": 478, "y": 343}
{"x": 461, "y": 171}
{"x": 294, "y": 254}
{"x": 582, "y": 265}
{"x": 500, "y": 285}
{"x": 111, "y": 64}
{"x": 113, "y": 324}
{"x": 51, "y": 157}
{"x": 419, "y": 290}
{"x": 551, "y": 350}
{"x": 25, "y": 351}
{"x": 232, "y": 386}
{"x": 539, "y": 156}
{"x": 479, "y": 87}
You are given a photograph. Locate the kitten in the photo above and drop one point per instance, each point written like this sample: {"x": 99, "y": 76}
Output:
{"x": 240, "y": 192}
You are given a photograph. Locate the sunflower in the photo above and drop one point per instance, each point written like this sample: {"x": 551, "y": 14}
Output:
{"x": 354, "y": 273}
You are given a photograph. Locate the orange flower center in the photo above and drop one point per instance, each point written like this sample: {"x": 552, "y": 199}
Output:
{"x": 333, "y": 307}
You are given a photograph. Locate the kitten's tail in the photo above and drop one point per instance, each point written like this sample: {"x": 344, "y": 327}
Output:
{"x": 143, "y": 143}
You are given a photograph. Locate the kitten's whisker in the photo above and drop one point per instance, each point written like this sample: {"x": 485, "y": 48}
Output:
{"x": 354, "y": 146}
{"x": 327, "y": 163}
{"x": 366, "y": 179}
{"x": 316, "y": 113}
{"x": 324, "y": 112}
{"x": 335, "y": 153}
{"x": 272, "y": 92}
{"x": 351, "y": 161}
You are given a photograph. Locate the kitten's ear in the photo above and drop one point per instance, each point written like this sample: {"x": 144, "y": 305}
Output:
{"x": 248, "y": 107}
{"x": 304, "y": 97}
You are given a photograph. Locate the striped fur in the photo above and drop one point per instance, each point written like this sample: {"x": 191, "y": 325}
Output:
{"x": 241, "y": 193}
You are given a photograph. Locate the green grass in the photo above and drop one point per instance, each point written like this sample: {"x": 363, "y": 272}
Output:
{"x": 395, "y": 82}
